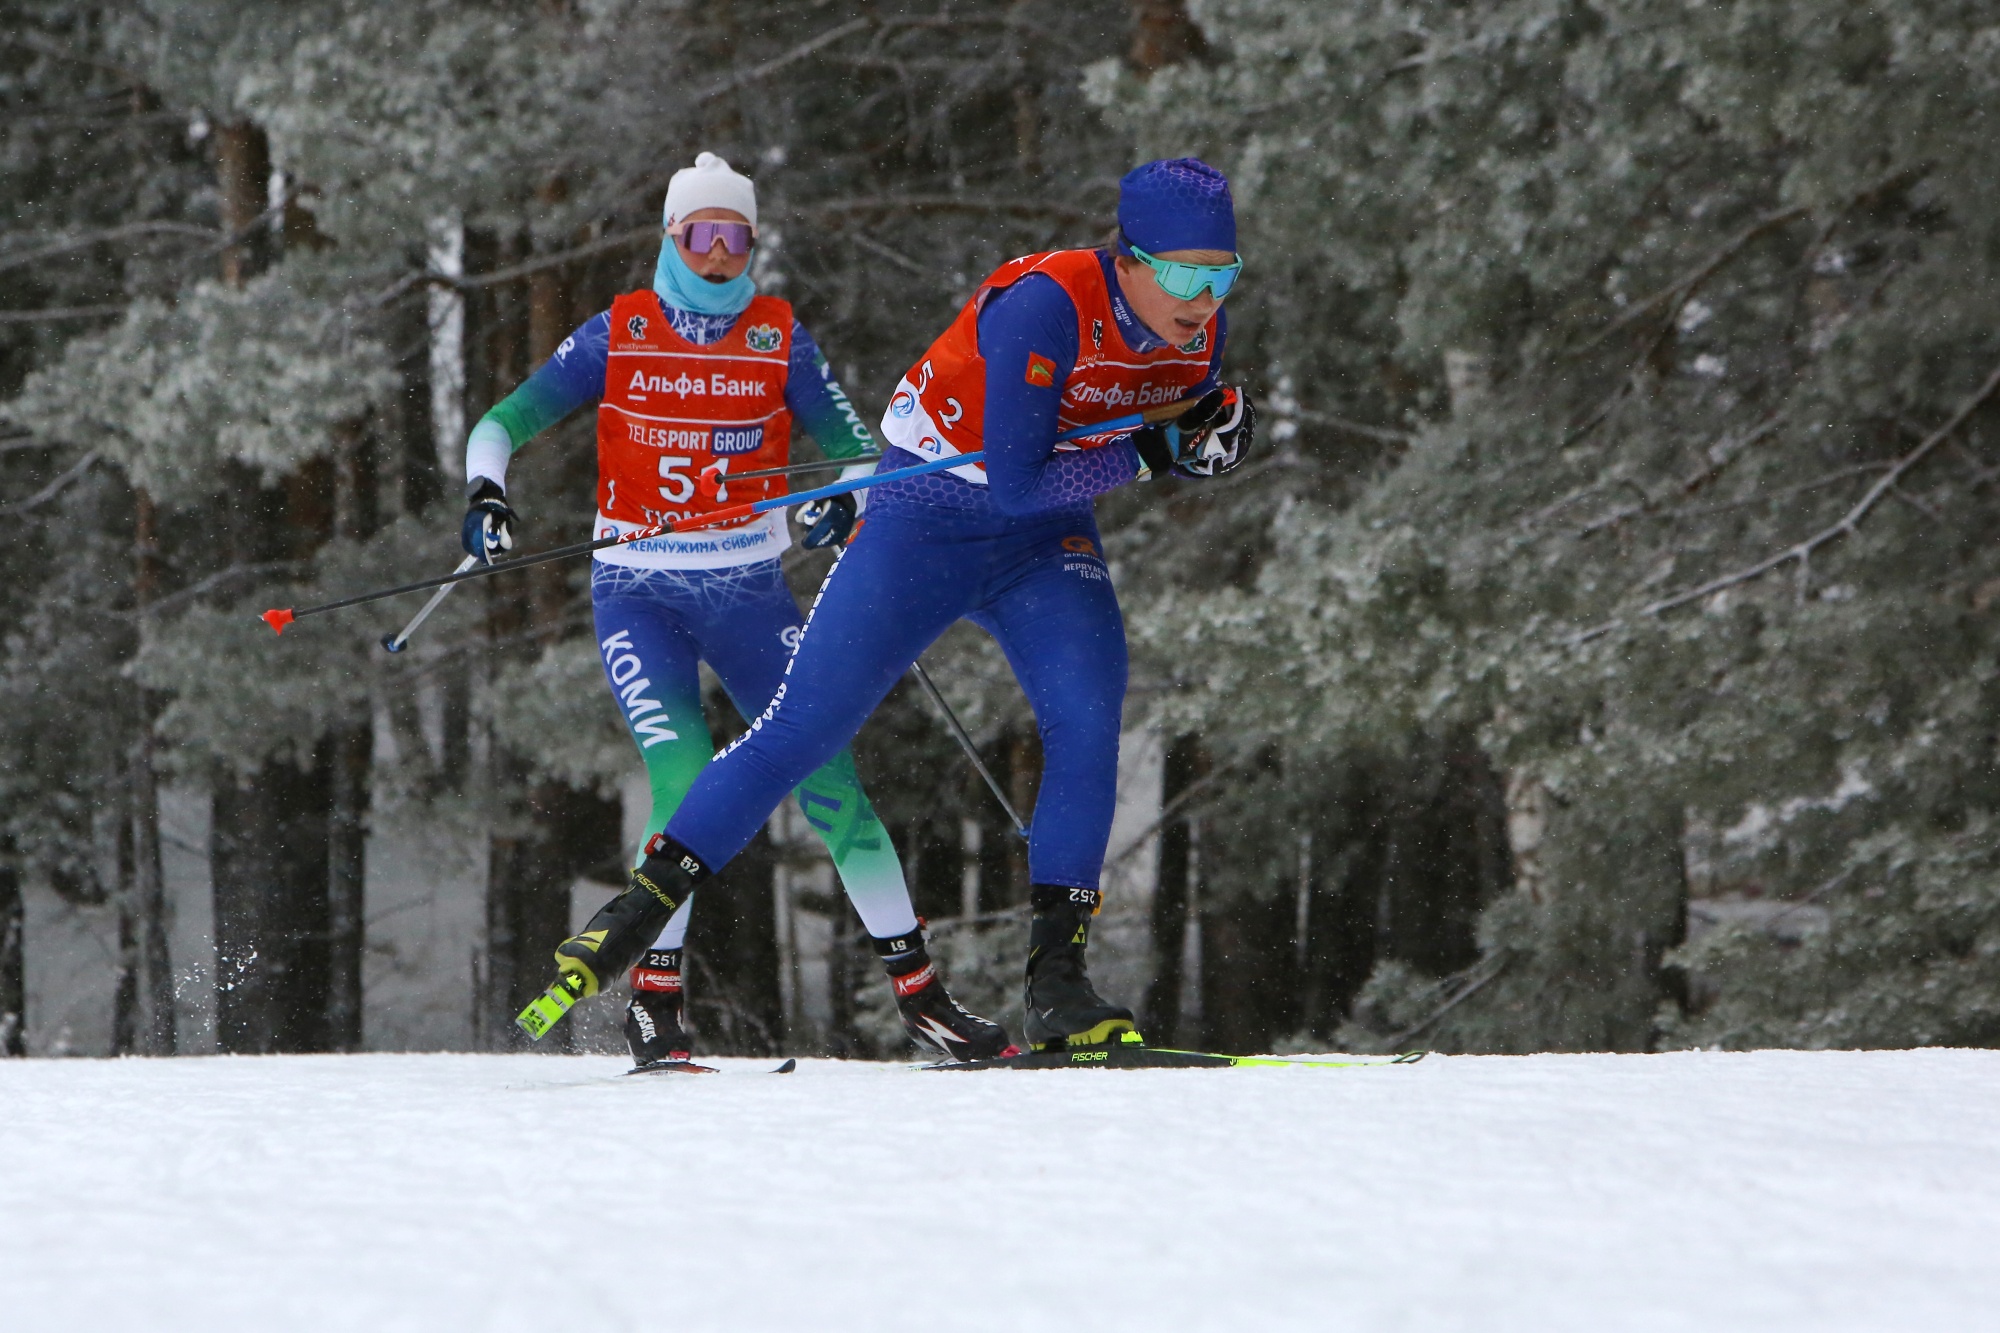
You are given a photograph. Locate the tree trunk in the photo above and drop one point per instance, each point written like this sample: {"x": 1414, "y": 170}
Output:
{"x": 243, "y": 172}
{"x": 148, "y": 879}
{"x": 1024, "y": 773}
{"x": 548, "y": 313}
{"x": 1162, "y": 35}
{"x": 1253, "y": 999}
{"x": 1160, "y": 1010}
{"x": 125, "y": 983}
{"x": 455, "y": 687}
{"x": 299, "y": 1014}
{"x": 13, "y": 975}
{"x": 732, "y": 952}
{"x": 447, "y": 345}
{"x": 559, "y": 834}
{"x": 842, "y": 1039}
{"x": 971, "y": 839}
{"x": 268, "y": 841}
{"x": 240, "y": 864}
{"x": 1527, "y": 802}
{"x": 149, "y": 892}
{"x": 269, "y": 853}
{"x": 1336, "y": 948}
{"x": 785, "y": 941}
{"x": 1302, "y": 922}
{"x": 530, "y": 863}
{"x": 349, "y": 756}
{"x": 349, "y": 753}
{"x": 1027, "y": 104}
{"x": 1191, "y": 1021}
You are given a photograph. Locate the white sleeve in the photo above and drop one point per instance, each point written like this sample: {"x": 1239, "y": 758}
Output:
{"x": 849, "y": 473}
{"x": 487, "y": 451}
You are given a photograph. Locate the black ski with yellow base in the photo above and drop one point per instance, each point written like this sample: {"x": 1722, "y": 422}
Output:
{"x": 1132, "y": 1052}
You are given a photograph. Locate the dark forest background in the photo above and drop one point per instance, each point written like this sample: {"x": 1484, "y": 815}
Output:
{"x": 1600, "y": 654}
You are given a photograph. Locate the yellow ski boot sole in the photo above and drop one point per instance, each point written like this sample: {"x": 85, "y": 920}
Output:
{"x": 1102, "y": 1035}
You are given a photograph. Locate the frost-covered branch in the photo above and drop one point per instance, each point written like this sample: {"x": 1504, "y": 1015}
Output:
{"x": 1975, "y": 466}
{"x": 53, "y": 314}
{"x": 1670, "y": 298}
{"x": 1674, "y": 294}
{"x": 1173, "y": 810}
{"x": 1352, "y": 427}
{"x": 217, "y": 580}
{"x": 950, "y": 203}
{"x": 1457, "y": 988}
{"x": 83, "y": 240}
{"x": 56, "y": 487}
{"x": 219, "y": 240}
{"x": 555, "y": 259}
{"x": 1848, "y": 523}
{"x": 797, "y": 53}
{"x": 40, "y": 45}
{"x": 1719, "y": 456}
{"x": 1782, "y": 493}
{"x": 409, "y": 282}
{"x": 640, "y": 235}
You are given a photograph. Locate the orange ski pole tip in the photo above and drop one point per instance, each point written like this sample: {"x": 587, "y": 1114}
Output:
{"x": 277, "y": 618}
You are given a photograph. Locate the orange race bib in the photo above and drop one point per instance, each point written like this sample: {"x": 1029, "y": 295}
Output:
{"x": 673, "y": 410}
{"x": 939, "y": 407}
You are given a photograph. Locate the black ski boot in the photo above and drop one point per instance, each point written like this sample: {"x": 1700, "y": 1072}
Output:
{"x": 653, "y": 1026}
{"x": 1064, "y": 1010}
{"x": 623, "y": 927}
{"x": 930, "y": 1015}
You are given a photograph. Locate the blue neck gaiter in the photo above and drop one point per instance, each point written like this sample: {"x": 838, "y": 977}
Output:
{"x": 679, "y": 285}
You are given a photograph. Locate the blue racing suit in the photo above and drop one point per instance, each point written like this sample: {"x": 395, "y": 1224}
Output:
{"x": 1019, "y": 556}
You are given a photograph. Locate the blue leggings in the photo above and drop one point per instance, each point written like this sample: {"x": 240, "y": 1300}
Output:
{"x": 1037, "y": 584}
{"x": 654, "y": 629}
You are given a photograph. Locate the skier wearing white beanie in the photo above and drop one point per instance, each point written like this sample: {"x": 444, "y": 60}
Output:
{"x": 697, "y": 379}
{"x": 711, "y": 223}
{"x": 710, "y": 183}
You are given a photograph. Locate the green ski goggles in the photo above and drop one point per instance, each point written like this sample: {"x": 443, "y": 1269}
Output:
{"x": 1185, "y": 281}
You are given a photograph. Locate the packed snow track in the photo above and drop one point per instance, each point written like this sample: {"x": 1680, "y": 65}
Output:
{"x": 1767, "y": 1191}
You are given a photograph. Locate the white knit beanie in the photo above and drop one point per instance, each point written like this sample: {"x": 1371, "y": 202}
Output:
{"x": 709, "y": 183}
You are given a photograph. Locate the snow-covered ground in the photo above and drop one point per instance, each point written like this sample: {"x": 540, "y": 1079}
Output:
{"x": 460, "y": 1192}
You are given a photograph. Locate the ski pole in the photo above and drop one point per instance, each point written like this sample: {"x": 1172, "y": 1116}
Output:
{"x": 394, "y": 642}
{"x": 710, "y": 481}
{"x": 965, "y": 743}
{"x": 279, "y": 617}
{"x": 1164, "y": 412}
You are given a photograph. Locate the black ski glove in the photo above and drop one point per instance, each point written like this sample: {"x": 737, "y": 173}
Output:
{"x": 489, "y": 524}
{"x": 1209, "y": 439}
{"x": 828, "y": 522}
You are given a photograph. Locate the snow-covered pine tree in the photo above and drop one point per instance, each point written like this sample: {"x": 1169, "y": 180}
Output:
{"x": 99, "y": 179}
{"x": 1687, "y": 315}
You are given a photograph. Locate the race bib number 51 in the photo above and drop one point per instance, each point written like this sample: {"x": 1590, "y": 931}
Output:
{"x": 676, "y": 483}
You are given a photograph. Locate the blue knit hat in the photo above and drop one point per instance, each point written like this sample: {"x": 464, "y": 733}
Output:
{"x": 1178, "y": 204}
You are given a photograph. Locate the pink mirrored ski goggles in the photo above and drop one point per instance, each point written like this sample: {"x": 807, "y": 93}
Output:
{"x": 698, "y": 238}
